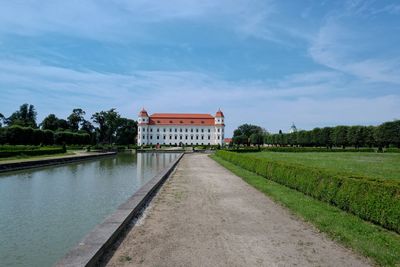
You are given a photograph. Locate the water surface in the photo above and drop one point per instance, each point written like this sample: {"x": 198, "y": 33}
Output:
{"x": 44, "y": 212}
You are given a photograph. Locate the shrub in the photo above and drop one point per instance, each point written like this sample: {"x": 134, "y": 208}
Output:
{"x": 30, "y": 151}
{"x": 373, "y": 200}
{"x": 315, "y": 149}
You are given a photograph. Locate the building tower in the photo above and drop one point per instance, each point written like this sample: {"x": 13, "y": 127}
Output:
{"x": 219, "y": 127}
{"x": 143, "y": 131}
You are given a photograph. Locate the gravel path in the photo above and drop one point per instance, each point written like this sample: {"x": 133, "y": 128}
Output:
{"x": 206, "y": 216}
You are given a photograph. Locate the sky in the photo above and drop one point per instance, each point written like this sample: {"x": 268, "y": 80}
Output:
{"x": 266, "y": 62}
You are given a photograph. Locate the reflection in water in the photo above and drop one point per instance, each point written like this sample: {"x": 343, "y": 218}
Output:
{"x": 44, "y": 212}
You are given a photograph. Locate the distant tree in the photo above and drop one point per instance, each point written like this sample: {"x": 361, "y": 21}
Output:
{"x": 75, "y": 119}
{"x": 257, "y": 139}
{"x": 370, "y": 136}
{"x": 2, "y": 119}
{"x": 339, "y": 136}
{"x": 87, "y": 127}
{"x": 25, "y": 116}
{"x": 388, "y": 133}
{"x": 316, "y": 137}
{"x": 241, "y": 135}
{"x": 62, "y": 125}
{"x": 326, "y": 137}
{"x": 108, "y": 122}
{"x": 51, "y": 122}
{"x": 126, "y": 132}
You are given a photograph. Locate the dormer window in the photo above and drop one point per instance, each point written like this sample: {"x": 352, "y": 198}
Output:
{"x": 158, "y": 121}
{"x": 170, "y": 121}
{"x": 181, "y": 121}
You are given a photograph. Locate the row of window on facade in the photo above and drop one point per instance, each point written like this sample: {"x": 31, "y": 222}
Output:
{"x": 202, "y": 137}
{"x": 181, "y": 130}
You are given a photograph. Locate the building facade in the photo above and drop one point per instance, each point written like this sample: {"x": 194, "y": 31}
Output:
{"x": 180, "y": 129}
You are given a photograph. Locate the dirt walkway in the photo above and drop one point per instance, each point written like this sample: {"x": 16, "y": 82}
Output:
{"x": 206, "y": 216}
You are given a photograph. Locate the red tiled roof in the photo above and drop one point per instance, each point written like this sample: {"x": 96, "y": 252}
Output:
{"x": 227, "y": 140}
{"x": 143, "y": 113}
{"x": 219, "y": 113}
{"x": 181, "y": 119}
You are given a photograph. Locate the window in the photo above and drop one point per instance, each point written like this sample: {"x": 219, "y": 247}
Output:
{"x": 209, "y": 130}
{"x": 181, "y": 121}
{"x": 197, "y": 130}
{"x": 176, "y": 137}
{"x": 202, "y": 137}
{"x": 164, "y": 130}
{"x": 144, "y": 129}
{"x": 180, "y": 137}
{"x": 197, "y": 137}
{"x": 158, "y": 121}
{"x": 164, "y": 136}
{"x": 170, "y": 129}
{"x": 191, "y": 130}
{"x": 139, "y": 129}
{"x": 176, "y": 130}
{"x": 158, "y": 130}
{"x": 218, "y": 129}
{"x": 151, "y": 137}
{"x": 191, "y": 137}
{"x": 170, "y": 137}
{"x": 180, "y": 130}
{"x": 202, "y": 130}
{"x": 217, "y": 136}
{"x": 170, "y": 121}
{"x": 209, "y": 137}
{"x": 186, "y": 130}
{"x": 202, "y": 122}
{"x": 144, "y": 137}
{"x": 151, "y": 130}
{"x": 186, "y": 137}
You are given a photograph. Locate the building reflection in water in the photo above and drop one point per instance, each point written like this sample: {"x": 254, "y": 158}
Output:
{"x": 152, "y": 161}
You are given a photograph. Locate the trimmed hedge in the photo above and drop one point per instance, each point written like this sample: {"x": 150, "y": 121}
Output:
{"x": 32, "y": 152}
{"x": 316, "y": 149}
{"x": 374, "y": 200}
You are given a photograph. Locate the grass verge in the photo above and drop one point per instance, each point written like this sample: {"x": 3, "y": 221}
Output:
{"x": 375, "y": 242}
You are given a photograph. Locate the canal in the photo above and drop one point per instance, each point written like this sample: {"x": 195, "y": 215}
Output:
{"x": 44, "y": 212}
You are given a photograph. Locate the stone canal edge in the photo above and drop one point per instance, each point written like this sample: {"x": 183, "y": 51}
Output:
{"x": 96, "y": 244}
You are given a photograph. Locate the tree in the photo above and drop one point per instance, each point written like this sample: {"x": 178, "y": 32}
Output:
{"x": 75, "y": 119}
{"x": 2, "y": 118}
{"x": 50, "y": 123}
{"x": 62, "y": 125}
{"x": 339, "y": 136}
{"x": 25, "y": 116}
{"x": 388, "y": 133}
{"x": 243, "y": 133}
{"x": 257, "y": 139}
{"x": 108, "y": 124}
{"x": 87, "y": 127}
{"x": 126, "y": 132}
{"x": 326, "y": 137}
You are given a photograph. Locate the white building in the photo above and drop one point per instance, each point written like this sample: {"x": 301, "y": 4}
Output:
{"x": 176, "y": 129}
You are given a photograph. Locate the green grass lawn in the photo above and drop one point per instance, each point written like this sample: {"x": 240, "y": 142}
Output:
{"x": 374, "y": 165}
{"x": 375, "y": 242}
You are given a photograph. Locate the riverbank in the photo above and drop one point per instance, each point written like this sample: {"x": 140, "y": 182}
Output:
{"x": 43, "y": 161}
{"x": 205, "y": 215}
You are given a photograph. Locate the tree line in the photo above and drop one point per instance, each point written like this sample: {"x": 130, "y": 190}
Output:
{"x": 384, "y": 135}
{"x": 105, "y": 127}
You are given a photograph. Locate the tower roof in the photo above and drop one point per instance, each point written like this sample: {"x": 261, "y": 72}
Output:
{"x": 143, "y": 113}
{"x": 219, "y": 113}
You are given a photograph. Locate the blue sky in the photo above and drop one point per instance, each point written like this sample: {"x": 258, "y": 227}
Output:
{"x": 266, "y": 62}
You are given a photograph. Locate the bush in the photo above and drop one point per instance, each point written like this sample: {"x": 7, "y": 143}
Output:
{"x": 29, "y": 151}
{"x": 374, "y": 200}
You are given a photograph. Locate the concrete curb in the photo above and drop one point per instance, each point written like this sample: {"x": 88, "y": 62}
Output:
{"x": 17, "y": 166}
{"x": 94, "y": 245}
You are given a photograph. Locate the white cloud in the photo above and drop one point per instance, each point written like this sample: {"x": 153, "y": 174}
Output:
{"x": 302, "y": 98}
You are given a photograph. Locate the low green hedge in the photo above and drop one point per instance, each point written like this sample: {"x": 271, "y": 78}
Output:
{"x": 374, "y": 200}
{"x": 316, "y": 149}
{"x": 32, "y": 152}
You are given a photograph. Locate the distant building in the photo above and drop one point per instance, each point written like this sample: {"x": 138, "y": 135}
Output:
{"x": 227, "y": 141}
{"x": 180, "y": 128}
{"x": 293, "y": 128}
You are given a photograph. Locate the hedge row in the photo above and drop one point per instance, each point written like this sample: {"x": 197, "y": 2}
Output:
{"x": 34, "y": 152}
{"x": 17, "y": 135}
{"x": 316, "y": 149}
{"x": 377, "y": 201}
